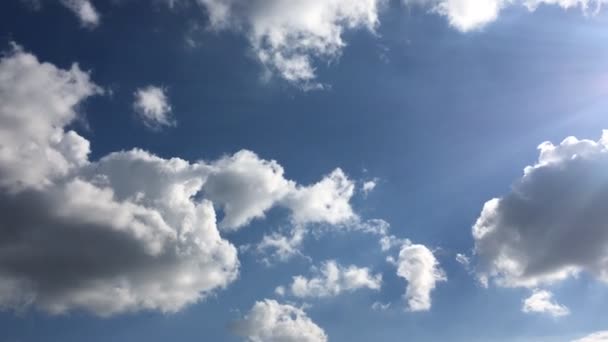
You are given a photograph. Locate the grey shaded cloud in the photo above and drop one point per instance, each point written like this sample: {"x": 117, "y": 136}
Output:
{"x": 553, "y": 223}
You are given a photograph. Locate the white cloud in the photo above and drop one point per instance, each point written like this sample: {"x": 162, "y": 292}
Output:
{"x": 463, "y": 260}
{"x": 327, "y": 201}
{"x": 245, "y": 187}
{"x": 420, "y": 268}
{"x": 152, "y": 106}
{"x": 552, "y": 225}
{"x": 600, "y": 336}
{"x": 287, "y": 36}
{"x": 269, "y": 320}
{"x": 468, "y": 15}
{"x": 541, "y": 301}
{"x": 63, "y": 214}
{"x": 333, "y": 279}
{"x": 388, "y": 242}
{"x": 38, "y": 100}
{"x": 369, "y": 186}
{"x": 378, "y": 306}
{"x": 84, "y": 10}
{"x": 127, "y": 232}
{"x": 280, "y": 291}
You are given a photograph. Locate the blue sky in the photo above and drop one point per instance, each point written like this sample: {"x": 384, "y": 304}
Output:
{"x": 438, "y": 106}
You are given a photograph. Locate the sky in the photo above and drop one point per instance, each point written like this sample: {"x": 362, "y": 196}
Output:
{"x": 303, "y": 170}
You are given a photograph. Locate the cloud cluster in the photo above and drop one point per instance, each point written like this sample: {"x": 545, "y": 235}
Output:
{"x": 269, "y": 320}
{"x": 552, "y": 225}
{"x": 286, "y": 36}
{"x": 129, "y": 231}
{"x": 152, "y": 106}
{"x": 418, "y": 265}
{"x": 333, "y": 279}
{"x": 541, "y": 301}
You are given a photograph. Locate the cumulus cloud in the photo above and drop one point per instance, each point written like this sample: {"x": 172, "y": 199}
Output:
{"x": 467, "y": 15}
{"x": 541, "y": 301}
{"x": 152, "y": 106}
{"x": 130, "y": 231}
{"x": 269, "y": 320}
{"x": 327, "y": 201}
{"x": 419, "y": 267}
{"x": 333, "y": 279}
{"x": 552, "y": 224}
{"x": 600, "y": 336}
{"x": 84, "y": 10}
{"x": 287, "y": 36}
{"x": 38, "y": 100}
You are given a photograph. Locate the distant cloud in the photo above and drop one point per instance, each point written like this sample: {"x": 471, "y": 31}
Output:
{"x": 269, "y": 320}
{"x": 552, "y": 225}
{"x": 369, "y": 186}
{"x": 152, "y": 106}
{"x": 419, "y": 267}
{"x": 378, "y": 306}
{"x": 130, "y": 231}
{"x": 332, "y": 279}
{"x": 541, "y": 301}
{"x": 463, "y": 260}
{"x": 84, "y": 10}
{"x": 600, "y": 336}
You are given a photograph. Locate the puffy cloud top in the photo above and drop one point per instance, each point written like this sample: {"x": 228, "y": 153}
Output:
{"x": 552, "y": 224}
{"x": 420, "y": 268}
{"x": 270, "y": 321}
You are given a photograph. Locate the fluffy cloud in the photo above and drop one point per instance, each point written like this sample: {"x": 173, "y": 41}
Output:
{"x": 327, "y": 201}
{"x": 270, "y": 321}
{"x": 287, "y": 36}
{"x": 541, "y": 301}
{"x": 552, "y": 225}
{"x": 601, "y": 336}
{"x": 127, "y": 232}
{"x": 333, "y": 279}
{"x": 152, "y": 105}
{"x": 116, "y": 235}
{"x": 38, "y": 100}
{"x": 245, "y": 187}
{"x": 467, "y": 15}
{"x": 420, "y": 268}
{"x": 84, "y": 10}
